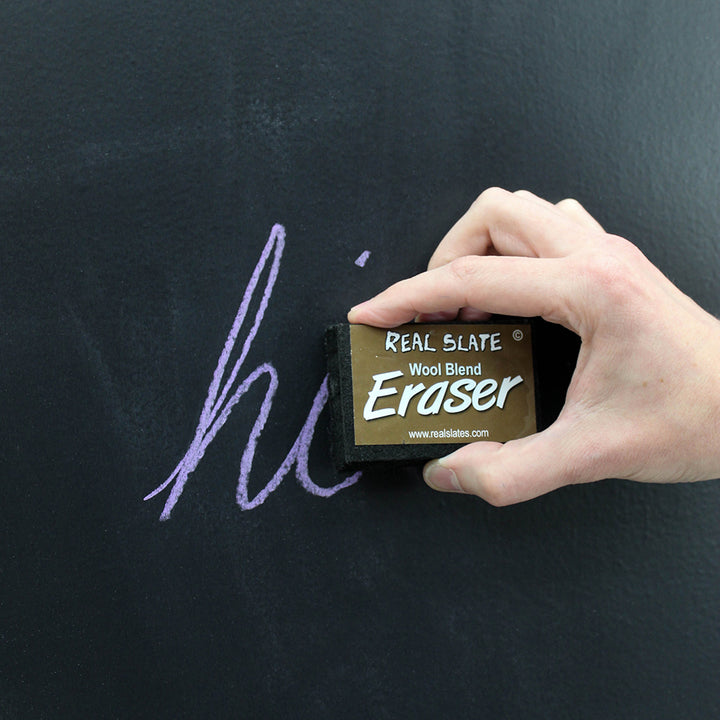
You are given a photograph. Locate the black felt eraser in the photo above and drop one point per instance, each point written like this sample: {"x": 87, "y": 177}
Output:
{"x": 420, "y": 391}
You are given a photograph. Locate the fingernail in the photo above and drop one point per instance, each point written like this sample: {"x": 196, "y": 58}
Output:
{"x": 439, "y": 477}
{"x": 353, "y": 312}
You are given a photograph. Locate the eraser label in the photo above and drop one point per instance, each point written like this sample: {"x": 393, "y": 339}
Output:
{"x": 432, "y": 384}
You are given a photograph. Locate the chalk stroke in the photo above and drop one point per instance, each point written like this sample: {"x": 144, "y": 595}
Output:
{"x": 217, "y": 409}
{"x": 362, "y": 258}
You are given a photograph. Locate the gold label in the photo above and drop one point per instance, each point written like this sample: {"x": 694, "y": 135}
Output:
{"x": 442, "y": 383}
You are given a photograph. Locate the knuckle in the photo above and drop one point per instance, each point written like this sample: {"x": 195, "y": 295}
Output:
{"x": 464, "y": 269}
{"x": 624, "y": 249}
{"x": 604, "y": 270}
{"x": 495, "y": 497}
{"x": 495, "y": 492}
{"x": 490, "y": 197}
{"x": 485, "y": 484}
{"x": 608, "y": 273}
{"x": 526, "y": 194}
{"x": 570, "y": 204}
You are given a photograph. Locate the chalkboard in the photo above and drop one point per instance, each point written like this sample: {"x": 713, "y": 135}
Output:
{"x": 194, "y": 188}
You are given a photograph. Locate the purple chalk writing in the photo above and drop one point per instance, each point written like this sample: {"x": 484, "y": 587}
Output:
{"x": 221, "y": 401}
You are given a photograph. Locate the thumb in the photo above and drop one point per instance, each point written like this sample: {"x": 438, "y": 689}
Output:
{"x": 518, "y": 470}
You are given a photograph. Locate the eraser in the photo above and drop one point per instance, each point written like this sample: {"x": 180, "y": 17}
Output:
{"x": 420, "y": 391}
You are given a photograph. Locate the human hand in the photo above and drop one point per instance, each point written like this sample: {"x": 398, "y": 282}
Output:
{"x": 644, "y": 400}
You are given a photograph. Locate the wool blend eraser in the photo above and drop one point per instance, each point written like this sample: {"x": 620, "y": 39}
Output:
{"x": 420, "y": 391}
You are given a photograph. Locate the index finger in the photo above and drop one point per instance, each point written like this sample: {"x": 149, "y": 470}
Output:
{"x": 505, "y": 223}
{"x": 503, "y": 285}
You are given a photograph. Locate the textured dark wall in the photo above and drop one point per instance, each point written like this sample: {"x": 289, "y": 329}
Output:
{"x": 146, "y": 151}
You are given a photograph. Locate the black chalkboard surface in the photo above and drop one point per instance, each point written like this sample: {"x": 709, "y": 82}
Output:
{"x": 191, "y": 192}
